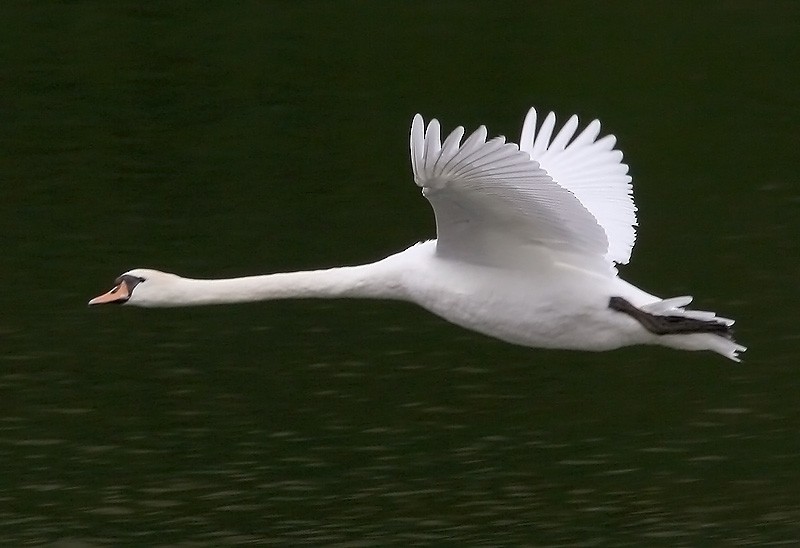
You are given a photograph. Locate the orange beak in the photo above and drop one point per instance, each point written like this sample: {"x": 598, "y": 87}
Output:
{"x": 119, "y": 294}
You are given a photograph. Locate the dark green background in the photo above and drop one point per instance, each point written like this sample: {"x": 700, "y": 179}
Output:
{"x": 231, "y": 138}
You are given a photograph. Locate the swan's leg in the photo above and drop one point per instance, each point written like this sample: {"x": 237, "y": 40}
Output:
{"x": 670, "y": 325}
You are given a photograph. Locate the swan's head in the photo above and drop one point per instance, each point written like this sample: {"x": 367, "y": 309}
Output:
{"x": 139, "y": 287}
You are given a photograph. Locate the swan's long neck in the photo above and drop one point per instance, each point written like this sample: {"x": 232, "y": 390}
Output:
{"x": 366, "y": 281}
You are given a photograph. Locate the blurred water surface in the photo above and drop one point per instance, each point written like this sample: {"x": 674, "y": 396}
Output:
{"x": 252, "y": 137}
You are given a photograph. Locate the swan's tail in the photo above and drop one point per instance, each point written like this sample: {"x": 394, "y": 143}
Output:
{"x": 677, "y": 327}
{"x": 695, "y": 329}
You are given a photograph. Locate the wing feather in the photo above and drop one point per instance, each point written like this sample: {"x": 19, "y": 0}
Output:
{"x": 592, "y": 170}
{"x": 564, "y": 135}
{"x": 493, "y": 204}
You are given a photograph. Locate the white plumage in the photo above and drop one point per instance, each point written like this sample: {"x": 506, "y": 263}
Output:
{"x": 592, "y": 170}
{"x": 528, "y": 237}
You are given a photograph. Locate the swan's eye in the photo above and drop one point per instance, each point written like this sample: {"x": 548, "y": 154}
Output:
{"x": 141, "y": 279}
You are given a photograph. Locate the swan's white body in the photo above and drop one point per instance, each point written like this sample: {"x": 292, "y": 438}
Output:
{"x": 527, "y": 241}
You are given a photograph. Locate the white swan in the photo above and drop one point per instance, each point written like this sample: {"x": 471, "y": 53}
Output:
{"x": 527, "y": 241}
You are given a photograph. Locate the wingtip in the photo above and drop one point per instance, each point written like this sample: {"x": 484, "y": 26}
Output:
{"x": 528, "y": 131}
{"x": 530, "y": 119}
{"x": 417, "y": 140}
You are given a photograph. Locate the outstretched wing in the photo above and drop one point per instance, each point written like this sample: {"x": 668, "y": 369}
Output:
{"x": 496, "y": 206}
{"x": 592, "y": 170}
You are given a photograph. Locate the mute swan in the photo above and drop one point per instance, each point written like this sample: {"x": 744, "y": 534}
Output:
{"x": 528, "y": 237}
